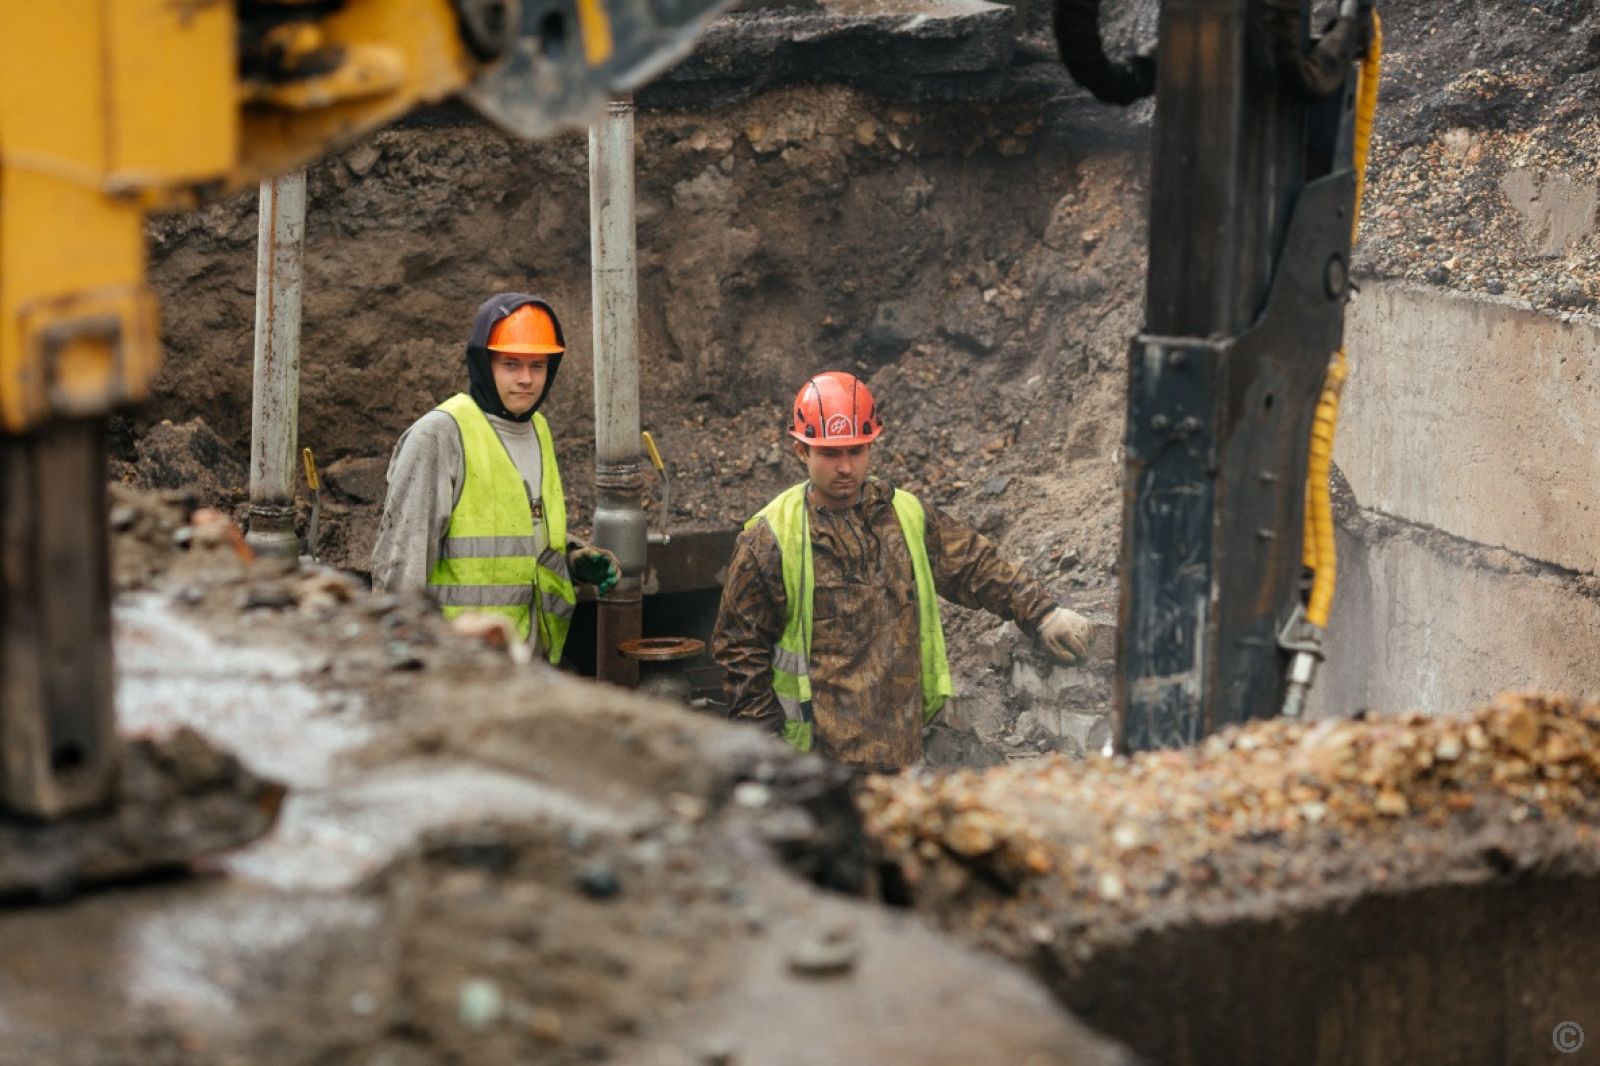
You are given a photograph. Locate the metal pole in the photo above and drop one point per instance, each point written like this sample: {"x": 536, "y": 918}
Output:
{"x": 619, "y": 519}
{"x": 58, "y": 741}
{"x": 1250, "y": 200}
{"x": 275, "y": 414}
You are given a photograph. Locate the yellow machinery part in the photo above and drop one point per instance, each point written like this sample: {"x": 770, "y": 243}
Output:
{"x": 88, "y": 91}
{"x": 1366, "y": 115}
{"x": 164, "y": 61}
{"x": 313, "y": 482}
{"x": 111, "y": 109}
{"x": 409, "y": 47}
{"x": 1319, "y": 549}
{"x": 655, "y": 454}
{"x": 596, "y": 25}
{"x": 1319, "y": 505}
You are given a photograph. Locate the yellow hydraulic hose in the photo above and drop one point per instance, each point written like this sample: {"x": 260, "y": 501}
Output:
{"x": 1319, "y": 495}
{"x": 1318, "y": 551}
{"x": 1366, "y": 112}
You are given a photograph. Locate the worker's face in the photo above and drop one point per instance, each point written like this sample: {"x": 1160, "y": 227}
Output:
{"x": 836, "y": 474}
{"x": 520, "y": 379}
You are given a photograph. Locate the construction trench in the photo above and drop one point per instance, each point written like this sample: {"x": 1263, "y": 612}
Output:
{"x": 478, "y": 859}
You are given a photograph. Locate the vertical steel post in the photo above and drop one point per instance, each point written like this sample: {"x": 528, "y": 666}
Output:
{"x": 275, "y": 412}
{"x": 619, "y": 518}
{"x": 58, "y": 744}
{"x": 1217, "y": 420}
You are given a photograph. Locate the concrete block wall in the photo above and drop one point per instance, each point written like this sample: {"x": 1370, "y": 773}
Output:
{"x": 1470, "y": 438}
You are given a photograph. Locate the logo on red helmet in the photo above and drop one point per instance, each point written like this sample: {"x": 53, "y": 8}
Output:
{"x": 838, "y": 426}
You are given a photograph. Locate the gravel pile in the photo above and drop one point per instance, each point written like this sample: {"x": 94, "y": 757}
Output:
{"x": 1277, "y": 810}
{"x": 1482, "y": 173}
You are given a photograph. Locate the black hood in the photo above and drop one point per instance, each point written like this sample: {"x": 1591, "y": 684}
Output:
{"x": 483, "y": 389}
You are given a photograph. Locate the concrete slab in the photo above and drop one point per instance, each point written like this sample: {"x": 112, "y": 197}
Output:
{"x": 1477, "y": 418}
{"x": 1423, "y": 624}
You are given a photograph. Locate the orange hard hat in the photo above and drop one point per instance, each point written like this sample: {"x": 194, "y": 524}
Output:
{"x": 529, "y": 330}
{"x": 835, "y": 410}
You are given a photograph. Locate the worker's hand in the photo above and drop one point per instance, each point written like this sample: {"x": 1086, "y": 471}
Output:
{"x": 1066, "y": 635}
{"x": 594, "y": 566}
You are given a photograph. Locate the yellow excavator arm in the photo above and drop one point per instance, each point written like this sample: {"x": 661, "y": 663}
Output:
{"x": 111, "y": 110}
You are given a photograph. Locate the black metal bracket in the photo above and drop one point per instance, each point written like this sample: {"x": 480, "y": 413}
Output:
{"x": 1217, "y": 440}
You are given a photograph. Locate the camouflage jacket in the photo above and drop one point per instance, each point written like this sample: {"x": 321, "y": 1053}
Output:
{"x": 865, "y": 669}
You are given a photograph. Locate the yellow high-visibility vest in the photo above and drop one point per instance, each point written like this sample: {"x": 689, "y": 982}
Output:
{"x": 791, "y": 658}
{"x": 487, "y": 562}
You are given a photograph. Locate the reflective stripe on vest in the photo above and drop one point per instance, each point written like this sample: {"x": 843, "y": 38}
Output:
{"x": 486, "y": 561}
{"x": 487, "y": 547}
{"x": 791, "y": 674}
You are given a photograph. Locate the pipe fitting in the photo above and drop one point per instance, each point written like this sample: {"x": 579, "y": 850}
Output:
{"x": 622, "y": 528}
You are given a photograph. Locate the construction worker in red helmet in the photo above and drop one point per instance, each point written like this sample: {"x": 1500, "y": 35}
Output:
{"x": 474, "y": 512}
{"x": 829, "y": 628}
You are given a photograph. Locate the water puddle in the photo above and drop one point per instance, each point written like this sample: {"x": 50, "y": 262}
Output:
{"x": 330, "y": 841}
{"x": 253, "y": 701}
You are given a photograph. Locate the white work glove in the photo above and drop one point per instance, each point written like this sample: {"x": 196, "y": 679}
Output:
{"x": 1066, "y": 634}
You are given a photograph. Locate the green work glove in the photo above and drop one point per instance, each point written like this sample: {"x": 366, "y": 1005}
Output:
{"x": 594, "y": 566}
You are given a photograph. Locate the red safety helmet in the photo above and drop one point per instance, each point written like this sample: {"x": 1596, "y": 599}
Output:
{"x": 835, "y": 410}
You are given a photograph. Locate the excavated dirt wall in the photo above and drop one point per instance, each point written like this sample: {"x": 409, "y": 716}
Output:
{"x": 967, "y": 253}
{"x": 979, "y": 263}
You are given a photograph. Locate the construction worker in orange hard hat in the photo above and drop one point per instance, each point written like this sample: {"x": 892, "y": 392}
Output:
{"x": 474, "y": 511}
{"x": 829, "y": 628}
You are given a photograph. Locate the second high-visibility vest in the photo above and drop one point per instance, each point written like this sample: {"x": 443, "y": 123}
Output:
{"x": 489, "y": 560}
{"x": 791, "y": 658}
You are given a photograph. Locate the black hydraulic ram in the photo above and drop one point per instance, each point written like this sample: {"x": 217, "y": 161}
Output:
{"x": 1252, "y": 198}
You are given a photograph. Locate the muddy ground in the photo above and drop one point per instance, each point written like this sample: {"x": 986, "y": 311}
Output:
{"x": 477, "y": 860}
{"x": 484, "y": 860}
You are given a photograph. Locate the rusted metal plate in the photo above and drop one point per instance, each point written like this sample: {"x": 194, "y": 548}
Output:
{"x": 691, "y": 561}
{"x": 662, "y": 649}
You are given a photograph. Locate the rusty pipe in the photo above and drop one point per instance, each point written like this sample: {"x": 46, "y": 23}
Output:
{"x": 275, "y": 407}
{"x": 619, "y": 518}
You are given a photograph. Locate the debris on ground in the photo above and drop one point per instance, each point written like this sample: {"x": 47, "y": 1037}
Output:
{"x": 179, "y": 801}
{"x": 1481, "y": 177}
{"x": 479, "y": 859}
{"x": 1276, "y": 809}
{"x": 1382, "y": 892}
